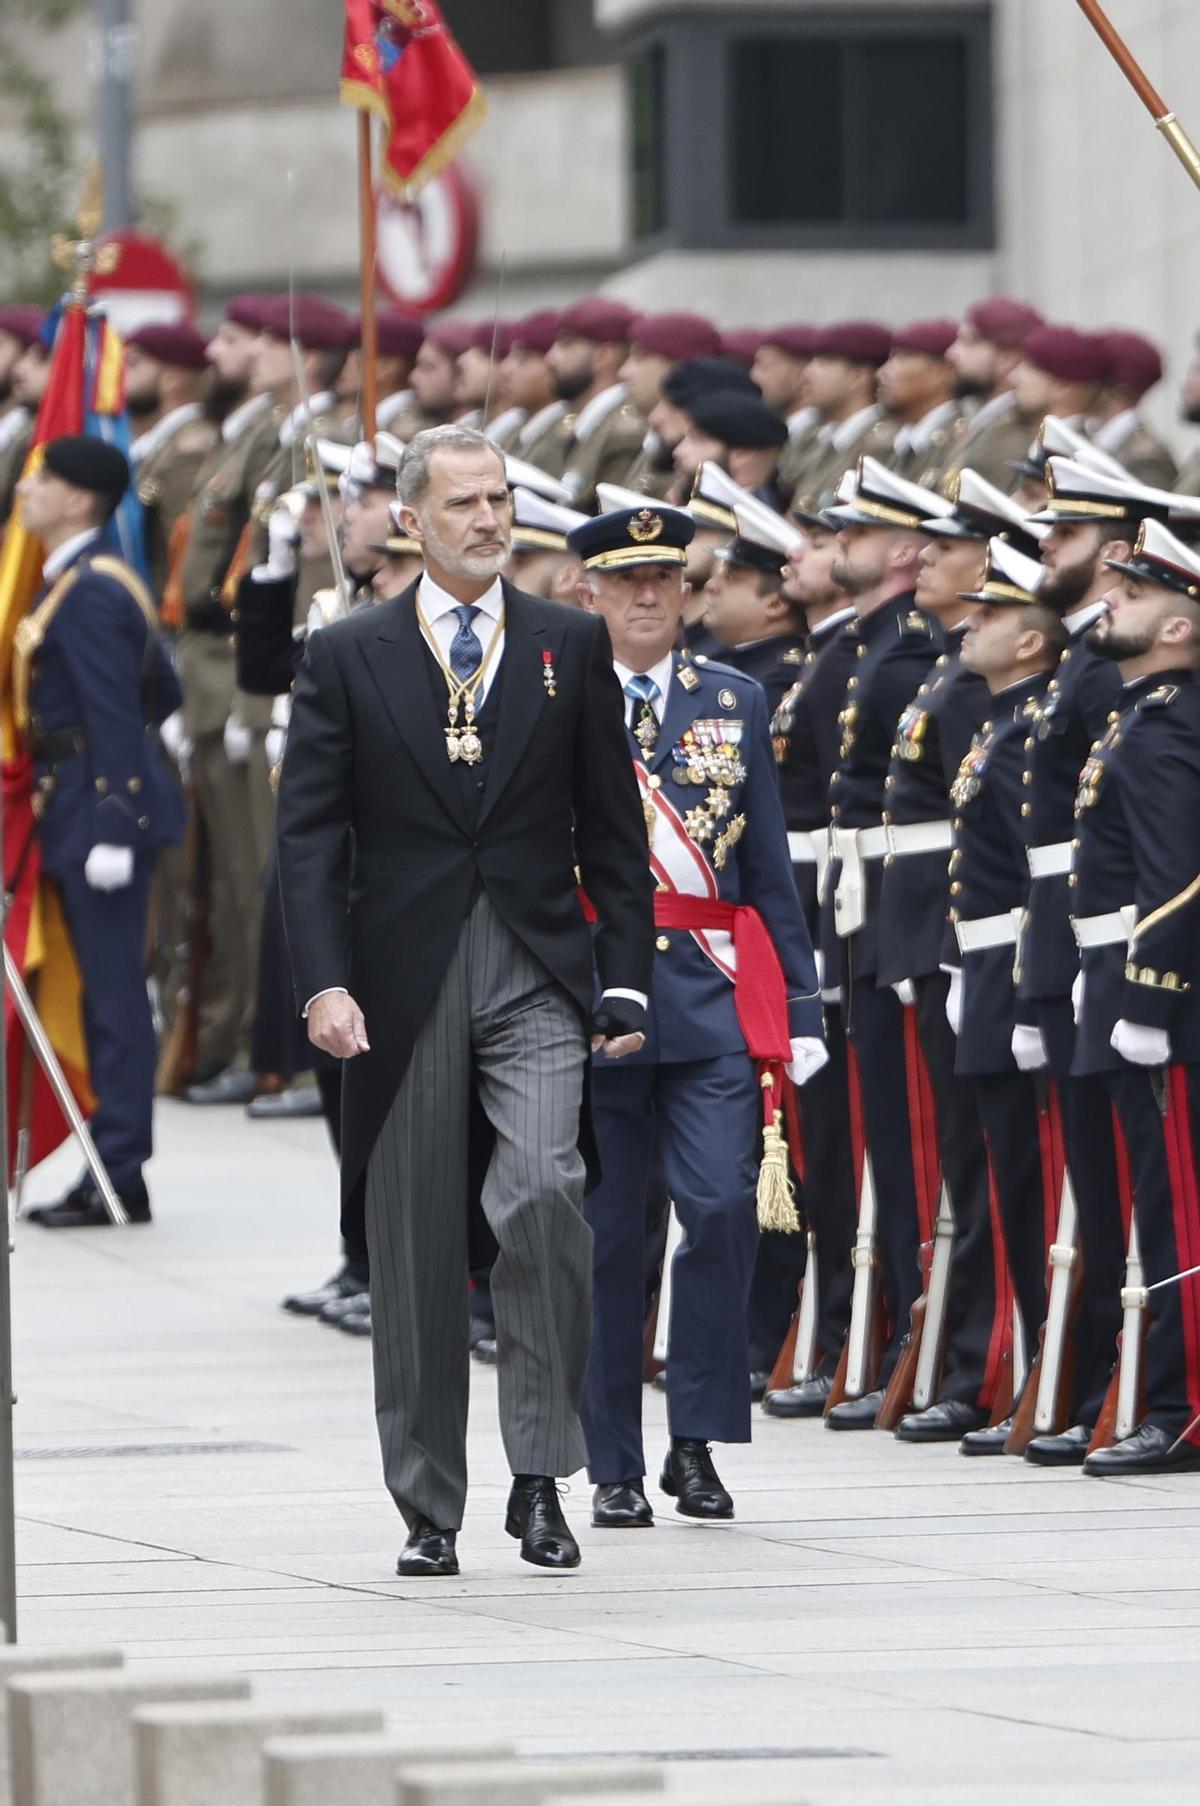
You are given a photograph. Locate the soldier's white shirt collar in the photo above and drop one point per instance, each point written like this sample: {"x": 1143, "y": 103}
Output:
{"x": 1078, "y": 620}
{"x": 324, "y": 403}
{"x": 1111, "y": 435}
{"x": 832, "y": 622}
{"x": 919, "y": 438}
{"x": 995, "y": 409}
{"x": 659, "y": 674}
{"x": 541, "y": 422}
{"x": 802, "y": 421}
{"x": 503, "y": 423}
{"x": 161, "y": 431}
{"x": 11, "y": 423}
{"x": 435, "y": 601}
{"x": 391, "y": 406}
{"x": 597, "y": 410}
{"x": 848, "y": 430}
{"x": 234, "y": 423}
{"x": 58, "y": 560}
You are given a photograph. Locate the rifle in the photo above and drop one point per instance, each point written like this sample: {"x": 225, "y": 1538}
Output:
{"x": 933, "y": 1336}
{"x": 1121, "y": 1410}
{"x": 1045, "y": 1402}
{"x": 858, "y": 1368}
{"x": 662, "y": 1332}
{"x": 799, "y": 1357}
{"x": 177, "y": 1055}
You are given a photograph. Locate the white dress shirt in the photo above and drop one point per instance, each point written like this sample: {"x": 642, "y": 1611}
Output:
{"x": 918, "y": 438}
{"x": 659, "y": 674}
{"x": 241, "y": 417}
{"x": 58, "y": 560}
{"x": 438, "y": 608}
{"x": 156, "y": 435}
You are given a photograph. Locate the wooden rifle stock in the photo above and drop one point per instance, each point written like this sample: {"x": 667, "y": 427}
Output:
{"x": 177, "y": 1055}
{"x": 897, "y": 1399}
{"x": 781, "y": 1373}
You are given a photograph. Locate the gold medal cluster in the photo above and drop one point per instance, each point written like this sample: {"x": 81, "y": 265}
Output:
{"x": 707, "y": 757}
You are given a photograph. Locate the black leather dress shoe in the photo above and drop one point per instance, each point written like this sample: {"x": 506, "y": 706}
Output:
{"x": 357, "y": 1323}
{"x": 484, "y": 1351}
{"x": 535, "y": 1516}
{"x": 689, "y": 1477}
{"x": 806, "y": 1399}
{"x": 622, "y": 1506}
{"x": 428, "y": 1551}
{"x": 1067, "y": 1450}
{"x": 856, "y": 1413}
{"x": 82, "y": 1208}
{"x": 228, "y": 1087}
{"x": 758, "y": 1384}
{"x": 348, "y": 1282}
{"x": 947, "y": 1421}
{"x": 344, "y": 1306}
{"x": 1148, "y": 1451}
{"x": 988, "y": 1441}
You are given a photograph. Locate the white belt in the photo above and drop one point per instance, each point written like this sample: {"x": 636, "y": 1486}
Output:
{"x": 853, "y": 846}
{"x": 1114, "y": 927}
{"x": 802, "y": 850}
{"x": 985, "y": 932}
{"x": 920, "y": 837}
{"x": 1050, "y": 862}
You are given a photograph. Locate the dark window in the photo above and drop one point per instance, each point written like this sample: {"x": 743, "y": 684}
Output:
{"x": 524, "y": 36}
{"x": 646, "y": 101}
{"x": 824, "y": 130}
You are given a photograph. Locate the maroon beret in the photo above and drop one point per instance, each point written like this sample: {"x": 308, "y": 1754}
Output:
{"x": 452, "y": 337}
{"x": 1073, "y": 357}
{"x": 536, "y": 332}
{"x": 797, "y": 341}
{"x": 742, "y": 346}
{"x": 22, "y": 321}
{"x": 1003, "y": 321}
{"x": 500, "y": 330}
{"x": 858, "y": 341}
{"x": 179, "y": 345}
{"x": 933, "y": 338}
{"x": 1136, "y": 364}
{"x": 316, "y": 325}
{"x": 397, "y": 334}
{"x": 677, "y": 336}
{"x": 604, "y": 322}
{"x": 250, "y": 310}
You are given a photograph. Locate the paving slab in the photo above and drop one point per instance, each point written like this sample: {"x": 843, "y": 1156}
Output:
{"x": 198, "y": 1481}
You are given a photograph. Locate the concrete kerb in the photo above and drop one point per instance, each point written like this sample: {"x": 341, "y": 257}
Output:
{"x": 521, "y": 1783}
{"x": 16, "y": 1659}
{"x": 314, "y": 1771}
{"x": 198, "y": 1754}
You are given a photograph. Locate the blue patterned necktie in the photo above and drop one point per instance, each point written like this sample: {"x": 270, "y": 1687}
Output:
{"x": 466, "y": 654}
{"x": 644, "y": 692}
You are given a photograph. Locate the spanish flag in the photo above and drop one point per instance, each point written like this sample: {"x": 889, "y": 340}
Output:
{"x": 84, "y": 394}
{"x": 401, "y": 62}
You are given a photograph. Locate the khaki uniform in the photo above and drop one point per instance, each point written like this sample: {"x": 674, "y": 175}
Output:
{"x": 794, "y": 456}
{"x": 1188, "y": 480}
{"x": 1143, "y": 454}
{"x": 224, "y": 497}
{"x": 927, "y": 463}
{"x": 825, "y": 461}
{"x": 648, "y": 477}
{"x": 12, "y": 463}
{"x": 605, "y": 455}
{"x": 166, "y": 483}
{"x": 550, "y": 444}
{"x": 992, "y": 442}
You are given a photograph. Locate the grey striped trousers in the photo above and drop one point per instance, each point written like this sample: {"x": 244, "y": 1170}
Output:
{"x": 502, "y": 1023}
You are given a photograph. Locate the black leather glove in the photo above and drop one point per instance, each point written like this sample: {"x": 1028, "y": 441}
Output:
{"x": 616, "y": 1016}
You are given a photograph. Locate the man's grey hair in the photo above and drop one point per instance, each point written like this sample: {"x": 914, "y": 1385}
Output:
{"x": 412, "y": 475}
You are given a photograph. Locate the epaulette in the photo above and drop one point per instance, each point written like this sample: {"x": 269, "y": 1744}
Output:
{"x": 916, "y": 622}
{"x": 1161, "y": 698}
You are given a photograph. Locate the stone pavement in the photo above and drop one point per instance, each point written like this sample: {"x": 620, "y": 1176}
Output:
{"x": 197, "y": 1480}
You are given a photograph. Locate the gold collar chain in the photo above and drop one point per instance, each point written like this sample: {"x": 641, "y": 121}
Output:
{"x": 462, "y": 743}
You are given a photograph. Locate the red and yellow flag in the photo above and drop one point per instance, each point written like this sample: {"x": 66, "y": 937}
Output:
{"x": 401, "y": 62}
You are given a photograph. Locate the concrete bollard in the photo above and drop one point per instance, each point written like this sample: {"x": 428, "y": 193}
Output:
{"x": 69, "y": 1734}
{"x": 17, "y": 1659}
{"x": 521, "y": 1783}
{"x": 201, "y": 1754}
{"x": 317, "y": 1771}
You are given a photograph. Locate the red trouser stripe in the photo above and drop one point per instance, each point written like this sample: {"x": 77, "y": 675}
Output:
{"x": 1058, "y": 1163}
{"x": 795, "y": 1130}
{"x": 1124, "y": 1174}
{"x": 858, "y": 1132}
{"x": 1000, "y": 1342}
{"x": 1045, "y": 1125}
{"x": 922, "y": 1129}
{"x": 1185, "y": 1207}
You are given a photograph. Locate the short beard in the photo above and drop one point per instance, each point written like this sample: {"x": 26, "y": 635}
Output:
{"x": 481, "y": 569}
{"x": 1190, "y": 411}
{"x": 570, "y": 388}
{"x": 828, "y": 595}
{"x": 140, "y": 407}
{"x": 1119, "y": 647}
{"x": 854, "y": 583}
{"x": 971, "y": 388}
{"x": 1064, "y": 590}
{"x": 224, "y": 395}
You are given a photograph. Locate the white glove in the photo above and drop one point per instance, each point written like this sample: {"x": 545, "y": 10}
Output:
{"x": 174, "y": 737}
{"x": 276, "y": 741}
{"x": 109, "y": 868}
{"x": 238, "y": 742}
{"x": 1029, "y": 1049}
{"x": 1077, "y": 998}
{"x": 282, "y": 540}
{"x": 906, "y": 991}
{"x": 954, "y": 999}
{"x": 1139, "y": 1045}
{"x": 809, "y": 1054}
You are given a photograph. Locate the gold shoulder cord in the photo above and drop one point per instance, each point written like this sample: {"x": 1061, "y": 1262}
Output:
{"x": 461, "y": 742}
{"x": 31, "y": 631}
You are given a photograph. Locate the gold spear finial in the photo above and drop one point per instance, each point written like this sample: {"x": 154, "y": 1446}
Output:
{"x": 82, "y": 257}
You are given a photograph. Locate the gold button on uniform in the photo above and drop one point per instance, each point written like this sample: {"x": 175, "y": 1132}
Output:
{"x": 654, "y": 782}
{"x": 662, "y": 943}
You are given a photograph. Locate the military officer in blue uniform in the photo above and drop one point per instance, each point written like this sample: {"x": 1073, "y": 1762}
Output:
{"x": 700, "y": 744}
{"x": 932, "y": 738}
{"x": 1135, "y": 893}
{"x": 91, "y": 685}
{"x": 880, "y": 517}
{"x": 1013, "y": 642}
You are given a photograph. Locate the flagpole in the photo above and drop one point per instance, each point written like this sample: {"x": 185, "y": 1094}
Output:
{"x": 8, "y": 1523}
{"x": 366, "y": 275}
{"x": 1143, "y": 87}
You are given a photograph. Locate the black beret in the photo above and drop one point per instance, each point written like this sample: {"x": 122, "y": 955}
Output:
{"x": 686, "y": 382}
{"x": 88, "y": 463}
{"x": 739, "y": 420}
